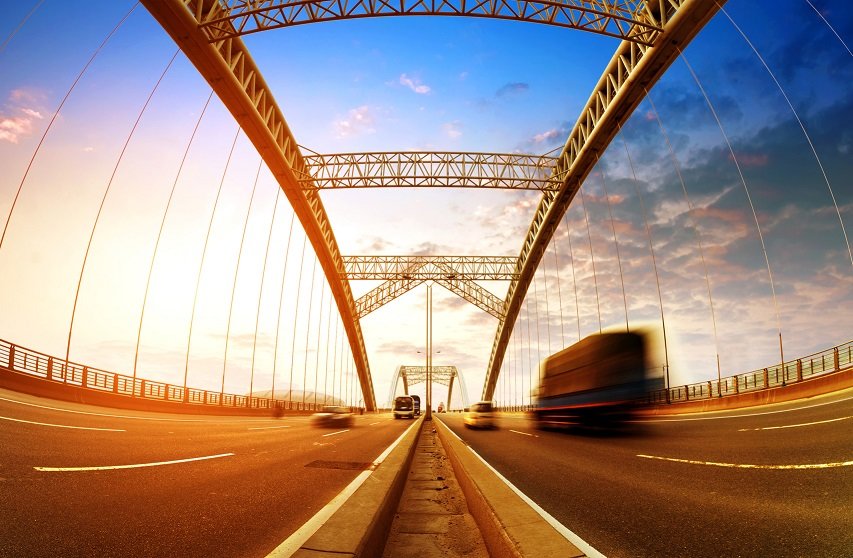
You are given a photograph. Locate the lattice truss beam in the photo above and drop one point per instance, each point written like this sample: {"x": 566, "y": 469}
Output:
{"x": 431, "y": 169}
{"x": 229, "y": 69}
{"x": 431, "y": 268}
{"x": 403, "y": 273}
{"x": 632, "y": 70}
{"x": 630, "y": 20}
{"x": 418, "y": 374}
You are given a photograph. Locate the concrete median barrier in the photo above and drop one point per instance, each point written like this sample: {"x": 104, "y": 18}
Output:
{"x": 510, "y": 527}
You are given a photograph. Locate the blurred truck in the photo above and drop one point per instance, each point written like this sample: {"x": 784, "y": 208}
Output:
{"x": 599, "y": 381}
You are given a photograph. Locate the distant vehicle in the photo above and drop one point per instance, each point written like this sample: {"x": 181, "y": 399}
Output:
{"x": 404, "y": 407}
{"x": 599, "y": 381}
{"x": 417, "y": 400}
{"x": 332, "y": 416}
{"x": 480, "y": 415}
{"x": 441, "y": 407}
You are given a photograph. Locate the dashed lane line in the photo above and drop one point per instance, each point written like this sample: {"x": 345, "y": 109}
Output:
{"x": 338, "y": 432}
{"x": 794, "y": 425}
{"x": 133, "y": 466}
{"x": 64, "y": 425}
{"x": 269, "y": 427}
{"x": 524, "y": 433}
{"x": 751, "y": 466}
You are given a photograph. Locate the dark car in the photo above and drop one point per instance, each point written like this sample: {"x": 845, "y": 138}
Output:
{"x": 332, "y": 416}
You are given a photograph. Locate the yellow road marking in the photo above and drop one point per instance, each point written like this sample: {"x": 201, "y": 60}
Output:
{"x": 794, "y": 425}
{"x": 750, "y": 466}
{"x": 63, "y": 425}
{"x": 134, "y": 466}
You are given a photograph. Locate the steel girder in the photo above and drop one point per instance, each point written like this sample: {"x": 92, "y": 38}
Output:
{"x": 629, "y": 20}
{"x": 452, "y": 279}
{"x": 632, "y": 70}
{"x": 431, "y": 268}
{"x": 431, "y": 169}
{"x": 233, "y": 75}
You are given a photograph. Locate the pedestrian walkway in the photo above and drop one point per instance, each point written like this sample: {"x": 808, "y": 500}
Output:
{"x": 432, "y": 520}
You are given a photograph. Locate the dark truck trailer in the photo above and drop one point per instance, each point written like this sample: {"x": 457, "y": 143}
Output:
{"x": 599, "y": 381}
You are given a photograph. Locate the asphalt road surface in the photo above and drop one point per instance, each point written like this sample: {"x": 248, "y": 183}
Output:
{"x": 773, "y": 481}
{"x": 212, "y": 486}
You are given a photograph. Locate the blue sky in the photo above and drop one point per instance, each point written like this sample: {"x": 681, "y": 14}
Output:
{"x": 418, "y": 83}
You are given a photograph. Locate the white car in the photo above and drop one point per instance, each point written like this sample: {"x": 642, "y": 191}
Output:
{"x": 481, "y": 415}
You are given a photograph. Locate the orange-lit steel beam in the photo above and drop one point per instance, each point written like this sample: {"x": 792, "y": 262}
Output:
{"x": 237, "y": 81}
{"x": 633, "y": 69}
{"x": 623, "y": 19}
{"x": 431, "y": 169}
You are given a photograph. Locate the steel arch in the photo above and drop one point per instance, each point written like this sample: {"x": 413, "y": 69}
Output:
{"x": 631, "y": 71}
{"x": 233, "y": 75}
{"x": 629, "y": 20}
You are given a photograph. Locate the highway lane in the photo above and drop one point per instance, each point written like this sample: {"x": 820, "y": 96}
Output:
{"x": 678, "y": 486}
{"x": 261, "y": 479}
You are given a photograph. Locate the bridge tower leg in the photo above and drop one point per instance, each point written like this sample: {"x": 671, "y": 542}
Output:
{"x": 450, "y": 391}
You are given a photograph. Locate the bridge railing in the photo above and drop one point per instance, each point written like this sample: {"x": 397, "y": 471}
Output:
{"x": 20, "y": 359}
{"x": 823, "y": 362}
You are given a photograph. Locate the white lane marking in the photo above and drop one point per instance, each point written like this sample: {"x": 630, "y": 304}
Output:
{"x": 134, "y": 466}
{"x": 126, "y": 416}
{"x": 268, "y": 427}
{"x": 581, "y": 544}
{"x": 64, "y": 425}
{"x": 524, "y": 433}
{"x": 338, "y": 432}
{"x": 372, "y": 423}
{"x": 794, "y": 425}
{"x": 750, "y": 466}
{"x": 749, "y": 414}
{"x": 298, "y": 538}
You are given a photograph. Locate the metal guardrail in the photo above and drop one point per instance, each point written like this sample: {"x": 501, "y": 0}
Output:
{"x": 823, "y": 362}
{"x": 57, "y": 370}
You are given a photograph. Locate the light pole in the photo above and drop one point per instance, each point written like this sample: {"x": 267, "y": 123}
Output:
{"x": 429, "y": 354}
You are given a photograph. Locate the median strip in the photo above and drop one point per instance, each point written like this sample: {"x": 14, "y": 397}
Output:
{"x": 751, "y": 466}
{"x": 134, "y": 466}
{"x": 64, "y": 425}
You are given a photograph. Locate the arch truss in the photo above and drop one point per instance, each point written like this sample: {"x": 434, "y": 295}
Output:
{"x": 455, "y": 273}
{"x": 431, "y": 169}
{"x": 229, "y": 69}
{"x": 632, "y": 70}
{"x": 412, "y": 375}
{"x": 630, "y": 20}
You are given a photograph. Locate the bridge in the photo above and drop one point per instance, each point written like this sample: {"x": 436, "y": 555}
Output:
{"x": 188, "y": 277}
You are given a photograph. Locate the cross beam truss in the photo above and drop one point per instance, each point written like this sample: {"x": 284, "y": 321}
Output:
{"x": 632, "y": 70}
{"x": 629, "y": 20}
{"x": 402, "y": 274}
{"x": 431, "y": 268}
{"x": 233, "y": 75}
{"x": 431, "y": 169}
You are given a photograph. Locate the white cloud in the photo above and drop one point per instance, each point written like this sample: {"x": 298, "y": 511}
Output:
{"x": 19, "y": 117}
{"x": 414, "y": 84}
{"x": 545, "y": 136}
{"x": 452, "y": 129}
{"x": 358, "y": 121}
